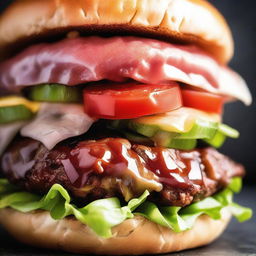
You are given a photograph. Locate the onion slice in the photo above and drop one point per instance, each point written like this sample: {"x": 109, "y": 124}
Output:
{"x": 57, "y": 122}
{"x": 7, "y": 133}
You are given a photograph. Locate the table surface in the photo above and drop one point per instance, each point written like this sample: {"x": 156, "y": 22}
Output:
{"x": 239, "y": 239}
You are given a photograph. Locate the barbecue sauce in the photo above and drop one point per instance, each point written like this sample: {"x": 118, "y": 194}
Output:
{"x": 142, "y": 166}
{"x": 113, "y": 157}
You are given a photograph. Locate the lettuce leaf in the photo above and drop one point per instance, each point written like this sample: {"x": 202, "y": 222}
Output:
{"x": 101, "y": 215}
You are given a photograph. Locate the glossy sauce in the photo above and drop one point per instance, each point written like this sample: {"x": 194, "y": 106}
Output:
{"x": 104, "y": 157}
{"x": 143, "y": 166}
{"x": 174, "y": 167}
{"x": 114, "y": 156}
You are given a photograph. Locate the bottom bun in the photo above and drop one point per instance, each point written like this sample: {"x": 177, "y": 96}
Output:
{"x": 134, "y": 236}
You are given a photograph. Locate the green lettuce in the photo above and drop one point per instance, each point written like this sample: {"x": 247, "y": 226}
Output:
{"x": 181, "y": 219}
{"x": 101, "y": 215}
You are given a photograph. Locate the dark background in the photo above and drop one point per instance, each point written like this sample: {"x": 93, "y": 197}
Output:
{"x": 240, "y": 15}
{"x": 239, "y": 239}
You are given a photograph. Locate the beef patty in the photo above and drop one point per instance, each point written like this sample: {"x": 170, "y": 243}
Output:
{"x": 95, "y": 169}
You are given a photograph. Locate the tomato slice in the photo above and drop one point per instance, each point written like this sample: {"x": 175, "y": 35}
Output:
{"x": 131, "y": 100}
{"x": 202, "y": 100}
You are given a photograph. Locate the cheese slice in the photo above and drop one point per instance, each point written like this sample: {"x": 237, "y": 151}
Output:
{"x": 180, "y": 120}
{"x": 10, "y": 101}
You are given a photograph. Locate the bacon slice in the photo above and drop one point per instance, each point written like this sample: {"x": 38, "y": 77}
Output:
{"x": 82, "y": 60}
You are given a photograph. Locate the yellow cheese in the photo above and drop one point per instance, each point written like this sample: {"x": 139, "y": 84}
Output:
{"x": 10, "y": 101}
{"x": 180, "y": 120}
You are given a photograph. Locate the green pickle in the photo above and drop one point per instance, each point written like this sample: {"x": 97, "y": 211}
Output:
{"x": 228, "y": 131}
{"x": 201, "y": 130}
{"x": 223, "y": 132}
{"x": 143, "y": 129}
{"x": 217, "y": 141}
{"x": 183, "y": 144}
{"x": 137, "y": 138}
{"x": 210, "y": 132}
{"x": 14, "y": 113}
{"x": 168, "y": 140}
{"x": 55, "y": 93}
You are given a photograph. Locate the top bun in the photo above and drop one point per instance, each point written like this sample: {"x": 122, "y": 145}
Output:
{"x": 182, "y": 21}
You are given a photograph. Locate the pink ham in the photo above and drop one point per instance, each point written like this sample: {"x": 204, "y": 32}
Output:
{"x": 81, "y": 60}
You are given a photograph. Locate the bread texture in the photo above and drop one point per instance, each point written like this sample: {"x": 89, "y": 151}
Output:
{"x": 183, "y": 21}
{"x": 132, "y": 237}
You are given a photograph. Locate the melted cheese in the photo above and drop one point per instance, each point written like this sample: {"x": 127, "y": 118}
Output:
{"x": 17, "y": 100}
{"x": 180, "y": 120}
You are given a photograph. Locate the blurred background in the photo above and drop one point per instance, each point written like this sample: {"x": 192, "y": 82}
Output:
{"x": 240, "y": 15}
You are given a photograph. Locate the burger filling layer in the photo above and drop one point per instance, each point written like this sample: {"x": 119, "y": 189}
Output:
{"x": 82, "y": 60}
{"x": 105, "y": 128}
{"x": 94, "y": 169}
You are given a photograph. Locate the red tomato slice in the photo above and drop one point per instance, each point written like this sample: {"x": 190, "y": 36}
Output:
{"x": 202, "y": 100}
{"x": 132, "y": 100}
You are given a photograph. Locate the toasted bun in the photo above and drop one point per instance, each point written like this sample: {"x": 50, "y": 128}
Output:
{"x": 133, "y": 236}
{"x": 186, "y": 21}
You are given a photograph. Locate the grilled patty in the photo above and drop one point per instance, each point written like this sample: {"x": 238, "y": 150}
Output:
{"x": 94, "y": 169}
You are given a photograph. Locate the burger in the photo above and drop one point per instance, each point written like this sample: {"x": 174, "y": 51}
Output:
{"x": 110, "y": 120}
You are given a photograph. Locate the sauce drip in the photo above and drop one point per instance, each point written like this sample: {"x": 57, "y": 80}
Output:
{"x": 109, "y": 157}
{"x": 173, "y": 167}
{"x": 112, "y": 157}
{"x": 147, "y": 167}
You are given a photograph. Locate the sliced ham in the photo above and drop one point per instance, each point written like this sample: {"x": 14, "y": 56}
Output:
{"x": 57, "y": 122}
{"x": 82, "y": 60}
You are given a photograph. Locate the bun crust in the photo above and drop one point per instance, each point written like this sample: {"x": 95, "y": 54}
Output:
{"x": 183, "y": 21}
{"x": 133, "y": 236}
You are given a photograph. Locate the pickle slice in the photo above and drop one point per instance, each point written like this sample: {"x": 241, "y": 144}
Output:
{"x": 229, "y": 131}
{"x": 201, "y": 130}
{"x": 183, "y": 144}
{"x": 137, "y": 138}
{"x": 14, "y": 113}
{"x": 217, "y": 141}
{"x": 223, "y": 132}
{"x": 168, "y": 140}
{"x": 55, "y": 93}
{"x": 143, "y": 129}
{"x": 211, "y": 132}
